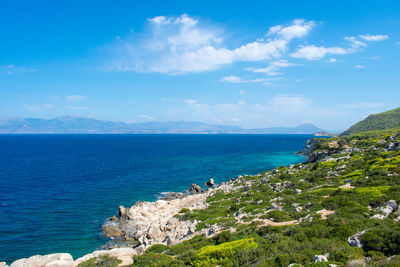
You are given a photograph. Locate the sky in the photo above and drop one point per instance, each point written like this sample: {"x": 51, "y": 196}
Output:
{"x": 255, "y": 64}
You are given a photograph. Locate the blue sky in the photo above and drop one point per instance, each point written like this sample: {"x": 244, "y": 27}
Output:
{"x": 248, "y": 63}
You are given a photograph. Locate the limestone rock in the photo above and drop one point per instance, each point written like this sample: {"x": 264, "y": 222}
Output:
{"x": 320, "y": 258}
{"x": 194, "y": 189}
{"x": 355, "y": 240}
{"x": 275, "y": 206}
{"x": 210, "y": 182}
{"x": 50, "y": 260}
{"x": 3, "y": 264}
{"x": 123, "y": 254}
{"x": 386, "y": 210}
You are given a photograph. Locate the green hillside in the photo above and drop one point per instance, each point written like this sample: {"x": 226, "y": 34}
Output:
{"x": 381, "y": 121}
{"x": 341, "y": 207}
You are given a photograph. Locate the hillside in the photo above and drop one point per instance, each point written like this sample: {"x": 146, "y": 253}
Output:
{"x": 381, "y": 121}
{"x": 340, "y": 207}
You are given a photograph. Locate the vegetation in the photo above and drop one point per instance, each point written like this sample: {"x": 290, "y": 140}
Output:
{"x": 101, "y": 261}
{"x": 382, "y": 121}
{"x": 354, "y": 180}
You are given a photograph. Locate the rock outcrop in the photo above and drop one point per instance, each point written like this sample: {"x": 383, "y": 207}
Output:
{"x": 50, "y": 260}
{"x": 66, "y": 260}
{"x": 151, "y": 223}
{"x": 210, "y": 182}
{"x": 355, "y": 240}
{"x": 195, "y": 189}
{"x": 123, "y": 254}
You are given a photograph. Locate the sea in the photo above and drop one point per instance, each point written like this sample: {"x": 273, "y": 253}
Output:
{"x": 56, "y": 191}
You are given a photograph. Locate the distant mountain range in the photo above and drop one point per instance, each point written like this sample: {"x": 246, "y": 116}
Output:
{"x": 68, "y": 124}
{"x": 380, "y": 121}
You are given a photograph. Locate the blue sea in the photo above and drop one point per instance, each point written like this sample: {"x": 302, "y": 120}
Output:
{"x": 57, "y": 190}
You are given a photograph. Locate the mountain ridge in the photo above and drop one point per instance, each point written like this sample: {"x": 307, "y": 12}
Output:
{"x": 82, "y": 125}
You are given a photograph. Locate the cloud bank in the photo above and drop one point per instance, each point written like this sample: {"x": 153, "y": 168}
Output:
{"x": 177, "y": 45}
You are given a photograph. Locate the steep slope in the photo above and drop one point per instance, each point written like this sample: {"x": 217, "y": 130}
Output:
{"x": 381, "y": 121}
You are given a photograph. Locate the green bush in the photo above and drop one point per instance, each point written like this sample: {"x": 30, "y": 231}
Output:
{"x": 218, "y": 254}
{"x": 154, "y": 260}
{"x": 101, "y": 261}
{"x": 277, "y": 216}
{"x": 385, "y": 240}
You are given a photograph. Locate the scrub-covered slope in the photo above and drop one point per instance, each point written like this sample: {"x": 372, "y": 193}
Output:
{"x": 381, "y": 121}
{"x": 340, "y": 207}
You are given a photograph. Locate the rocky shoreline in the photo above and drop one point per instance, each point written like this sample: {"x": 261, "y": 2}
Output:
{"x": 144, "y": 224}
{"x": 148, "y": 223}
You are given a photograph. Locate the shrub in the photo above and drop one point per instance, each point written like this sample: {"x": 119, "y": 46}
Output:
{"x": 184, "y": 210}
{"x": 218, "y": 254}
{"x": 157, "y": 248}
{"x": 101, "y": 261}
{"x": 277, "y": 216}
{"x": 385, "y": 240}
{"x": 153, "y": 260}
{"x": 223, "y": 237}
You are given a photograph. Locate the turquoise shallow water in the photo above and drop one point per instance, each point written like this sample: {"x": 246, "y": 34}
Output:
{"x": 57, "y": 190}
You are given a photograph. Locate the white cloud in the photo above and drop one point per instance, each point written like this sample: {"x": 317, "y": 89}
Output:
{"x": 189, "y": 101}
{"x": 242, "y": 92}
{"x": 176, "y": 45}
{"x": 232, "y": 79}
{"x": 236, "y": 79}
{"x": 379, "y": 37}
{"x": 355, "y": 44}
{"x": 359, "y": 67}
{"x": 331, "y": 60}
{"x": 272, "y": 69}
{"x": 75, "y": 98}
{"x": 299, "y": 28}
{"x": 312, "y": 52}
{"x": 146, "y": 117}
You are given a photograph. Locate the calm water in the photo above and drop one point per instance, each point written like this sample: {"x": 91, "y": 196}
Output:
{"x": 57, "y": 190}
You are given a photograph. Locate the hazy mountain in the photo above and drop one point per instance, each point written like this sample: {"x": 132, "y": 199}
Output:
{"x": 381, "y": 121}
{"x": 68, "y": 124}
{"x": 306, "y": 128}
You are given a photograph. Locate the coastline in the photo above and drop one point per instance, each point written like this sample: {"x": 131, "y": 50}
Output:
{"x": 241, "y": 212}
{"x": 125, "y": 251}
{"x": 154, "y": 224}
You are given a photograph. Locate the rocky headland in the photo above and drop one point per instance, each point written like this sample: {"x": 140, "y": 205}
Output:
{"x": 333, "y": 208}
